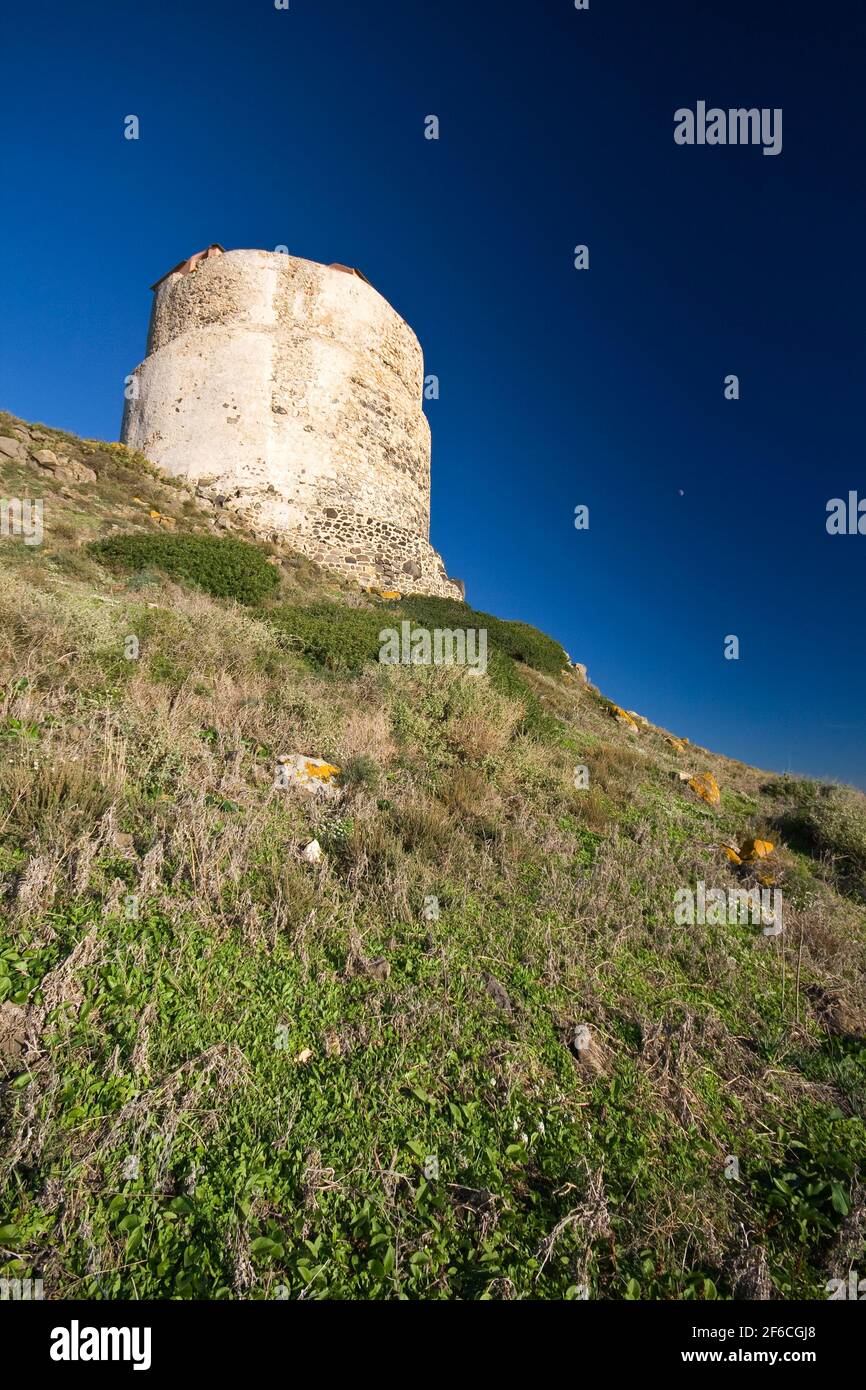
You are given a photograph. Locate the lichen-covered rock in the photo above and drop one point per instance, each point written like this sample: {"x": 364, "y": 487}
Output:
{"x": 312, "y": 775}
{"x": 624, "y": 718}
{"x": 751, "y": 850}
{"x": 706, "y": 787}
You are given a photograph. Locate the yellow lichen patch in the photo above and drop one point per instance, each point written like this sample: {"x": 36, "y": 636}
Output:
{"x": 677, "y": 743}
{"x": 751, "y": 850}
{"x": 706, "y": 786}
{"x": 154, "y": 516}
{"x": 732, "y": 854}
{"x": 325, "y": 771}
{"x": 388, "y": 593}
{"x": 140, "y": 500}
{"x": 622, "y": 717}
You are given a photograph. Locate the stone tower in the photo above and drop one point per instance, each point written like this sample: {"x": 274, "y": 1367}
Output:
{"x": 293, "y": 390}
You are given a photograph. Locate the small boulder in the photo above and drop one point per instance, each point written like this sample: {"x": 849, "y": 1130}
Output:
{"x": 587, "y": 1051}
{"x": 73, "y": 471}
{"x": 706, "y": 787}
{"x": 752, "y": 850}
{"x": 840, "y": 1017}
{"x": 312, "y": 853}
{"x": 377, "y": 968}
{"x": 13, "y": 449}
{"x": 312, "y": 775}
{"x": 13, "y": 1033}
{"x": 624, "y": 718}
{"x": 497, "y": 992}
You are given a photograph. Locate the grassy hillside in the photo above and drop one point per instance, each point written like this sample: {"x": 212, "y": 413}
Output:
{"x": 469, "y": 1054}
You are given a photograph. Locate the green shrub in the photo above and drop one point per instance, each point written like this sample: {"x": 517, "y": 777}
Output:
{"x": 830, "y": 821}
{"x": 340, "y": 639}
{"x": 332, "y": 636}
{"x": 361, "y": 772}
{"x": 514, "y": 639}
{"x": 221, "y": 565}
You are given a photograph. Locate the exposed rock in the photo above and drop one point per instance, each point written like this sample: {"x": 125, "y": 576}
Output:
{"x": 624, "y": 718}
{"x": 312, "y": 775}
{"x": 13, "y": 449}
{"x": 13, "y": 1033}
{"x": 497, "y": 993}
{"x": 846, "y": 1251}
{"x": 312, "y": 853}
{"x": 706, "y": 787}
{"x": 586, "y": 1049}
{"x": 839, "y": 1016}
{"x": 74, "y": 471}
{"x": 750, "y": 1276}
{"x": 65, "y": 470}
{"x": 751, "y": 850}
{"x": 377, "y": 969}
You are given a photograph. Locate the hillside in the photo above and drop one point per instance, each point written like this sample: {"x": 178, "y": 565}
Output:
{"x": 469, "y": 1052}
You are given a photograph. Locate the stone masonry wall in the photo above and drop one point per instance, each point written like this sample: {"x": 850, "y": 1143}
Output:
{"x": 294, "y": 391}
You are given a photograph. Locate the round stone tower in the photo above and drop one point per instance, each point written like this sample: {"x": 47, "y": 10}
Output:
{"x": 293, "y": 391}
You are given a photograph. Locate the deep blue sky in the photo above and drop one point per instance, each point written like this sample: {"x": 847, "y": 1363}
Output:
{"x": 306, "y": 128}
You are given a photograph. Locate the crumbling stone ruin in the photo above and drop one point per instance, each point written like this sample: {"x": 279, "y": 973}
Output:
{"x": 291, "y": 392}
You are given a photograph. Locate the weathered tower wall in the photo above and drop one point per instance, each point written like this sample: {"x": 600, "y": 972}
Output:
{"x": 294, "y": 390}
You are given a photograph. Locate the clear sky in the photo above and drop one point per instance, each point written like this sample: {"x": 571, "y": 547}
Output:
{"x": 604, "y": 387}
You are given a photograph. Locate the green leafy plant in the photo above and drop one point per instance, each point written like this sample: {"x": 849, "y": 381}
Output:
{"x": 221, "y": 565}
